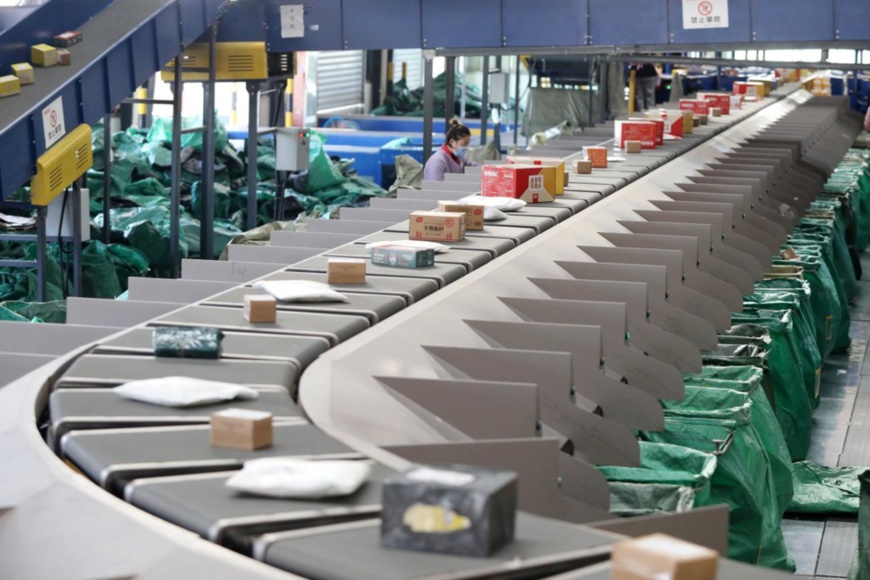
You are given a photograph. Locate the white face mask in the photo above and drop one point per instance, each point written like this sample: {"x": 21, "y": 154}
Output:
{"x": 460, "y": 150}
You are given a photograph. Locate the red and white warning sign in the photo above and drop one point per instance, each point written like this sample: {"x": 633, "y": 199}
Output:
{"x": 705, "y": 14}
{"x": 52, "y": 122}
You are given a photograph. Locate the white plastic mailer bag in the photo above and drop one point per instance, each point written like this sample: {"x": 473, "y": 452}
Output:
{"x": 183, "y": 392}
{"x": 416, "y": 244}
{"x": 490, "y": 214}
{"x": 500, "y": 203}
{"x": 288, "y": 478}
{"x": 300, "y": 291}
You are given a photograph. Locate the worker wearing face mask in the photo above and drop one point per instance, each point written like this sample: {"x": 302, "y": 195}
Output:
{"x": 451, "y": 158}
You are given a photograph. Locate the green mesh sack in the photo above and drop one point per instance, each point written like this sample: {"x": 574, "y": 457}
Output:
{"x": 742, "y": 481}
{"x": 793, "y": 409}
{"x": 825, "y": 490}
{"x": 670, "y": 479}
{"x": 801, "y": 287}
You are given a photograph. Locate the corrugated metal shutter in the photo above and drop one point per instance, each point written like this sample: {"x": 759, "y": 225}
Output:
{"x": 340, "y": 79}
{"x": 414, "y": 58}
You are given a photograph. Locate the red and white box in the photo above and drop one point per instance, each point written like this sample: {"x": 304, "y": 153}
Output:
{"x": 697, "y": 106}
{"x": 720, "y": 100}
{"x": 645, "y": 131}
{"x": 597, "y": 155}
{"x": 736, "y": 101}
{"x": 526, "y": 182}
{"x": 660, "y": 126}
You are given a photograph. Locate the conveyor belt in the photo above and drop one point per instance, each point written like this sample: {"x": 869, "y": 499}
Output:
{"x": 360, "y": 395}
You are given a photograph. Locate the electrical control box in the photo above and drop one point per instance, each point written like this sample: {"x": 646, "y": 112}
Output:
{"x": 500, "y": 88}
{"x": 56, "y": 209}
{"x": 292, "y": 148}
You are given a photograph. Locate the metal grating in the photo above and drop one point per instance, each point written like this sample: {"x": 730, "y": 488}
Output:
{"x": 413, "y": 57}
{"x": 838, "y": 548}
{"x": 240, "y": 62}
{"x": 55, "y": 178}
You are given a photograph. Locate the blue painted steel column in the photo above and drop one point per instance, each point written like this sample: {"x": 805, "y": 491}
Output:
{"x": 517, "y": 100}
{"x": 253, "y": 125}
{"x": 175, "y": 192}
{"x": 428, "y": 107}
{"x": 449, "y": 90}
{"x": 484, "y": 103}
{"x": 206, "y": 233}
{"x": 107, "y": 178}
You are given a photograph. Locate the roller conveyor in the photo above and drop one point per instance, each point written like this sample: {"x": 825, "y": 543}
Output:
{"x": 589, "y": 264}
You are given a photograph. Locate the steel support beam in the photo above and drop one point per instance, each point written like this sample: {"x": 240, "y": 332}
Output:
{"x": 175, "y": 191}
{"x": 41, "y": 246}
{"x": 107, "y": 178}
{"x": 253, "y": 125}
{"x": 484, "y": 105}
{"x": 428, "y": 107}
{"x": 77, "y": 237}
{"x": 518, "y": 64}
{"x": 206, "y": 236}
{"x": 450, "y": 90}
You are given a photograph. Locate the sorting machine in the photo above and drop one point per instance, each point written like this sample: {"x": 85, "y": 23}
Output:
{"x": 538, "y": 345}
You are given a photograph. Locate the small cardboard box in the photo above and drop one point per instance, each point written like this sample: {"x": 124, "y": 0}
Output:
{"x": 64, "y": 58}
{"x": 704, "y": 119}
{"x": 399, "y": 256}
{"x": 660, "y": 126}
{"x": 644, "y": 131}
{"x": 662, "y": 556}
{"x": 715, "y": 112}
{"x": 598, "y": 156}
{"x": 697, "y": 106}
{"x": 720, "y": 100}
{"x": 68, "y": 38}
{"x": 24, "y": 72}
{"x": 633, "y": 146}
{"x": 583, "y": 167}
{"x": 450, "y": 509}
{"x": 260, "y": 308}
{"x": 9, "y": 85}
{"x": 436, "y": 226}
{"x": 43, "y": 55}
{"x": 688, "y": 122}
{"x": 673, "y": 122}
{"x": 241, "y": 429}
{"x": 530, "y": 183}
{"x": 473, "y": 213}
{"x": 557, "y": 163}
{"x": 345, "y": 271}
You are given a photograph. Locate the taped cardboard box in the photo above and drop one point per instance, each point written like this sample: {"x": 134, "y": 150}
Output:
{"x": 661, "y": 556}
{"x": 715, "y": 112}
{"x": 241, "y": 429}
{"x": 719, "y": 100}
{"x": 64, "y": 58}
{"x": 583, "y": 167}
{"x": 688, "y": 122}
{"x": 597, "y": 155}
{"x": 672, "y": 120}
{"x": 436, "y": 226}
{"x": 530, "y": 183}
{"x": 43, "y": 55}
{"x": 660, "y": 127}
{"x": 24, "y": 72}
{"x": 697, "y": 106}
{"x": 260, "y": 308}
{"x": 644, "y": 131}
{"x": 559, "y": 164}
{"x": 345, "y": 271}
{"x": 9, "y": 85}
{"x": 473, "y": 213}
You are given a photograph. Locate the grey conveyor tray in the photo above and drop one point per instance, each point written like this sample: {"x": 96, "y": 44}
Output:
{"x": 495, "y": 246}
{"x": 74, "y": 409}
{"x": 375, "y": 307}
{"x": 334, "y": 327}
{"x": 93, "y": 370}
{"x": 519, "y": 235}
{"x": 468, "y": 259}
{"x": 202, "y": 503}
{"x": 442, "y": 273}
{"x": 540, "y": 546}
{"x": 114, "y": 457}
{"x": 299, "y": 350}
{"x": 409, "y": 289}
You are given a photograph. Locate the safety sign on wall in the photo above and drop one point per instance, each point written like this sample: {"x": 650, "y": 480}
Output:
{"x": 52, "y": 122}
{"x": 293, "y": 21}
{"x": 705, "y": 14}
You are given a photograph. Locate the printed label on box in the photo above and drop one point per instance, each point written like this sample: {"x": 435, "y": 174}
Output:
{"x": 697, "y": 106}
{"x": 718, "y": 100}
{"x": 644, "y": 131}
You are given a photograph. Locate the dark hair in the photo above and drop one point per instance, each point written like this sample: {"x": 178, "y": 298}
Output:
{"x": 456, "y": 131}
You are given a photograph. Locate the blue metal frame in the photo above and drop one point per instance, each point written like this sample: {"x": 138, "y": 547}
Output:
{"x": 739, "y": 28}
{"x": 631, "y": 22}
{"x": 462, "y": 24}
{"x": 792, "y": 20}
{"x": 323, "y": 28}
{"x": 402, "y": 18}
{"x": 544, "y": 22}
{"x": 852, "y": 20}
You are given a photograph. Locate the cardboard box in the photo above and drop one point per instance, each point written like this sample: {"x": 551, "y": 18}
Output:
{"x": 557, "y": 163}
{"x": 749, "y": 88}
{"x": 688, "y": 122}
{"x": 662, "y": 556}
{"x": 399, "y": 256}
{"x": 9, "y": 85}
{"x": 473, "y": 213}
{"x": 736, "y": 101}
{"x": 451, "y": 509}
{"x": 531, "y": 183}
{"x": 68, "y": 38}
{"x": 583, "y": 167}
{"x": 260, "y": 308}
{"x": 704, "y": 119}
{"x": 24, "y": 72}
{"x": 345, "y": 271}
{"x": 436, "y": 226}
{"x": 43, "y": 55}
{"x": 241, "y": 429}
{"x": 64, "y": 58}
{"x": 720, "y": 100}
{"x": 673, "y": 122}
{"x": 715, "y": 112}
{"x": 697, "y": 106}
{"x": 656, "y": 119}
{"x": 644, "y": 131}
{"x": 633, "y": 146}
{"x": 598, "y": 156}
